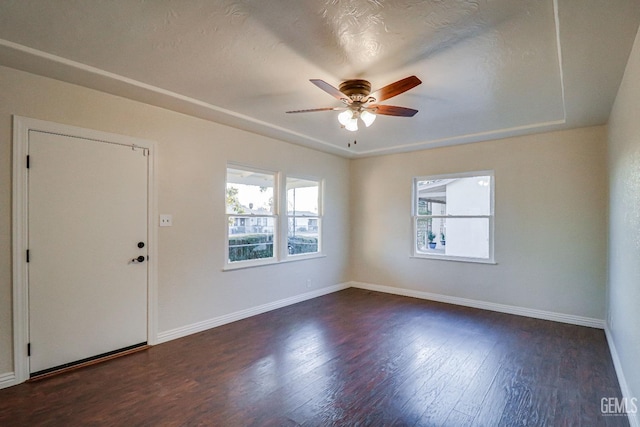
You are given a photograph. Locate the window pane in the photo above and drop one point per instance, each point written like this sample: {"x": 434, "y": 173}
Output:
{"x": 461, "y": 237}
{"x": 249, "y": 192}
{"x": 250, "y": 237}
{"x": 304, "y": 222}
{"x": 302, "y": 197}
{"x": 454, "y": 196}
{"x": 303, "y": 235}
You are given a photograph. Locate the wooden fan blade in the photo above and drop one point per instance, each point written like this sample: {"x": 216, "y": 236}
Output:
{"x": 391, "y": 110}
{"x": 330, "y": 90}
{"x": 396, "y": 88}
{"x": 316, "y": 109}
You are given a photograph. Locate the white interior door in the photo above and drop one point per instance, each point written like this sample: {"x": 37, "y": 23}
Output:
{"x": 87, "y": 213}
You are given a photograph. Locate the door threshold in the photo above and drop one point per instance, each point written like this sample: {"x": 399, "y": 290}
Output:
{"x": 41, "y": 375}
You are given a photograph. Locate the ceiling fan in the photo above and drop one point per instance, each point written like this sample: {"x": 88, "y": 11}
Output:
{"x": 360, "y": 103}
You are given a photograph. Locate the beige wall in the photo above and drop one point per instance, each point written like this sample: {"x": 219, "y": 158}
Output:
{"x": 191, "y": 181}
{"x": 551, "y": 229}
{"x": 624, "y": 213}
{"x": 551, "y": 204}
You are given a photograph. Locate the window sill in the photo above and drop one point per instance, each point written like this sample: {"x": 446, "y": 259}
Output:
{"x": 455, "y": 259}
{"x": 240, "y": 265}
{"x": 301, "y": 257}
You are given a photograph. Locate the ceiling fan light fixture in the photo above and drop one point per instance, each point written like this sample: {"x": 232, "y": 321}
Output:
{"x": 345, "y": 117}
{"x": 367, "y": 117}
{"x": 352, "y": 125}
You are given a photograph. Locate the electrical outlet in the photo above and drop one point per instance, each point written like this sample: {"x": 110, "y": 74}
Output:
{"x": 166, "y": 220}
{"x": 308, "y": 283}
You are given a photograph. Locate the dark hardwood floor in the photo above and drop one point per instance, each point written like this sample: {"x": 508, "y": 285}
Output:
{"x": 350, "y": 358}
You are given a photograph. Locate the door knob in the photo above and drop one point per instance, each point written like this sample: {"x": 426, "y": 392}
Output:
{"x": 139, "y": 259}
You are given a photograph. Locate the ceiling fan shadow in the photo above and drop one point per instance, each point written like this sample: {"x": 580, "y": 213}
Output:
{"x": 442, "y": 37}
{"x": 358, "y": 38}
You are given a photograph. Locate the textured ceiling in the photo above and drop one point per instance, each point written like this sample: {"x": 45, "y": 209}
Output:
{"x": 490, "y": 68}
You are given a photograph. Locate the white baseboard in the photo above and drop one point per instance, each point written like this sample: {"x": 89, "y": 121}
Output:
{"x": 634, "y": 420}
{"x": 7, "y": 380}
{"x": 193, "y": 328}
{"x": 502, "y": 308}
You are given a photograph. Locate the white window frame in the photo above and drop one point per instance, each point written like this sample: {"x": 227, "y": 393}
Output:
{"x": 415, "y": 216}
{"x": 286, "y": 216}
{"x": 228, "y": 265}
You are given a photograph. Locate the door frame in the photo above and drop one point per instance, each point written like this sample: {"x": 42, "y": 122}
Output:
{"x": 21, "y": 128}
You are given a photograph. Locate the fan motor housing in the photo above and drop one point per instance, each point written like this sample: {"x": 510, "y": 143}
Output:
{"x": 356, "y": 88}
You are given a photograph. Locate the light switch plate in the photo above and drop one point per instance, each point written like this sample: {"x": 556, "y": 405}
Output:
{"x": 166, "y": 220}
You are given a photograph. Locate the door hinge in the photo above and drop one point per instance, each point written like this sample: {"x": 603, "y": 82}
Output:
{"x": 27, "y": 255}
{"x": 28, "y": 161}
{"x": 28, "y": 349}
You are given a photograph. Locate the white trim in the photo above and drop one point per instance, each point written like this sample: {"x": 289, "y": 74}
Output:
{"x": 439, "y": 257}
{"x": 7, "y": 380}
{"x": 19, "y": 239}
{"x": 249, "y": 263}
{"x": 193, "y": 328}
{"x": 77, "y": 73}
{"x": 302, "y": 257}
{"x": 94, "y": 78}
{"x": 152, "y": 236}
{"x": 253, "y": 311}
{"x": 275, "y": 215}
{"x": 21, "y": 128}
{"x": 284, "y": 252}
{"x": 415, "y": 216}
{"x": 556, "y": 19}
{"x": 280, "y": 218}
{"x": 467, "y": 138}
{"x": 634, "y": 419}
{"x": 484, "y": 305}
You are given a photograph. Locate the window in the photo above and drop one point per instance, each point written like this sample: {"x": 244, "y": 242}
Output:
{"x": 254, "y": 227}
{"x": 251, "y": 216}
{"x": 303, "y": 216}
{"x": 453, "y": 217}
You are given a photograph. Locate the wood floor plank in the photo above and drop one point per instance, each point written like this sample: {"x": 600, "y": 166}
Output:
{"x": 458, "y": 419}
{"x": 460, "y": 375}
{"x": 354, "y": 357}
{"x": 529, "y": 405}
{"x": 478, "y": 386}
{"x": 494, "y": 401}
{"x": 567, "y": 405}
